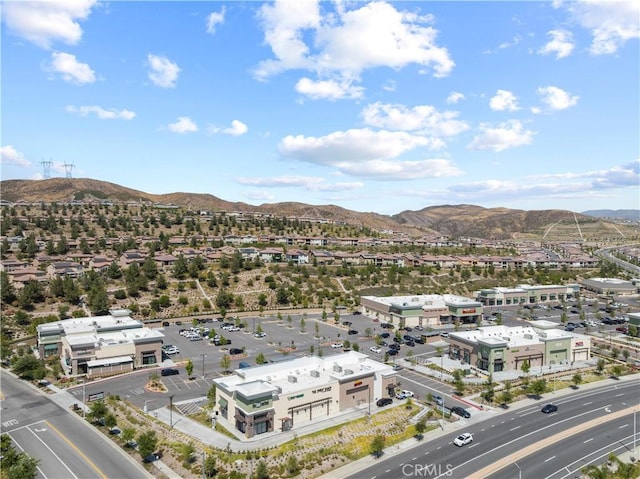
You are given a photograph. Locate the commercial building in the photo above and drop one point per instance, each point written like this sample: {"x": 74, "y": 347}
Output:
{"x": 608, "y": 286}
{"x": 100, "y": 345}
{"x": 422, "y": 310}
{"x": 502, "y": 348}
{"x": 284, "y": 395}
{"x": 527, "y": 294}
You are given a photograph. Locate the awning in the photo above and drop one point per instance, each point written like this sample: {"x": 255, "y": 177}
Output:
{"x": 96, "y": 363}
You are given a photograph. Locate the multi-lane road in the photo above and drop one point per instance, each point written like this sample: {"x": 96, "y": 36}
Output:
{"x": 585, "y": 428}
{"x": 65, "y": 447}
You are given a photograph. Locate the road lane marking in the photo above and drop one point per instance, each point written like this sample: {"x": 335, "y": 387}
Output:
{"x": 514, "y": 428}
{"x": 618, "y": 395}
{"x": 587, "y": 403}
{"x": 23, "y": 427}
{"x": 89, "y": 461}
{"x": 552, "y": 457}
{"x": 588, "y": 440}
{"x": 22, "y": 449}
{"x": 624, "y": 425}
{"x": 54, "y": 454}
{"x": 513, "y": 457}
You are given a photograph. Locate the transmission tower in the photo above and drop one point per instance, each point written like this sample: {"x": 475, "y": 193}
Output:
{"x": 46, "y": 168}
{"x": 67, "y": 169}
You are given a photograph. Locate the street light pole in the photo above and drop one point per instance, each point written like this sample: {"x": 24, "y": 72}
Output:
{"x": 203, "y": 356}
{"x": 84, "y": 401}
{"x": 171, "y": 411}
{"x": 519, "y": 470}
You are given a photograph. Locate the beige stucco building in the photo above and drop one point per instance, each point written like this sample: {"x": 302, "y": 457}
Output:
{"x": 100, "y": 345}
{"x": 282, "y": 396}
{"x": 503, "y": 348}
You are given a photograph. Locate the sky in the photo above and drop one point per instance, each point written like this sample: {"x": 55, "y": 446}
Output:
{"x": 372, "y": 106}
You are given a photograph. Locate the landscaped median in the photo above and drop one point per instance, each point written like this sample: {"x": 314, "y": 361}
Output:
{"x": 516, "y": 456}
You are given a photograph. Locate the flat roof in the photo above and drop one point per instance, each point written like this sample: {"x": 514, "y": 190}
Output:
{"x": 303, "y": 373}
{"x": 513, "y": 336}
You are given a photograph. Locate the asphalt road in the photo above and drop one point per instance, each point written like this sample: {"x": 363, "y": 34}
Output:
{"x": 590, "y": 447}
{"x": 66, "y": 447}
{"x": 506, "y": 434}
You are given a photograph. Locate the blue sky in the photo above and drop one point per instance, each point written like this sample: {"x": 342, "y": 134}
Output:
{"x": 372, "y": 106}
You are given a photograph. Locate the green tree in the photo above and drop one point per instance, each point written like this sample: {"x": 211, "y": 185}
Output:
{"x": 110, "y": 421}
{"x": 211, "y": 395}
{"x": 260, "y": 359}
{"x": 186, "y": 453}
{"x": 538, "y": 387}
{"x": 262, "y": 471}
{"x": 29, "y": 367}
{"x": 180, "y": 267}
{"x": 7, "y": 291}
{"x": 147, "y": 443}
{"x": 225, "y": 362}
{"x": 421, "y": 426}
{"x": 600, "y": 365}
{"x": 189, "y": 368}
{"x": 292, "y": 466}
{"x": 32, "y": 292}
{"x": 377, "y": 445}
{"x": 209, "y": 466}
{"x": 616, "y": 371}
{"x": 458, "y": 382}
{"x": 97, "y": 410}
{"x": 127, "y": 435}
{"x": 576, "y": 380}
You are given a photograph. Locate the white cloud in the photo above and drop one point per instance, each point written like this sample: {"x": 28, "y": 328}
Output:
{"x": 454, "y": 97}
{"x": 346, "y": 42}
{"x": 309, "y": 183}
{"x": 45, "y": 22}
{"x": 183, "y": 125}
{"x": 556, "y": 98}
{"x": 504, "y": 100}
{"x": 237, "y": 128}
{"x": 214, "y": 19}
{"x": 164, "y": 73}
{"x": 328, "y": 89}
{"x": 259, "y": 196}
{"x": 10, "y": 156}
{"x": 506, "y": 135}
{"x": 561, "y": 44}
{"x": 422, "y": 118}
{"x": 367, "y": 153}
{"x": 611, "y": 23}
{"x": 101, "y": 113}
{"x": 71, "y": 69}
{"x": 517, "y": 39}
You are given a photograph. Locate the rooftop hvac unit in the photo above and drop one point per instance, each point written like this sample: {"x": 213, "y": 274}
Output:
{"x": 348, "y": 371}
{"x": 315, "y": 374}
{"x": 337, "y": 368}
{"x": 293, "y": 379}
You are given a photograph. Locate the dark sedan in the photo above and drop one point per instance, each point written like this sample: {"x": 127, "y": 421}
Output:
{"x": 384, "y": 402}
{"x": 549, "y": 408}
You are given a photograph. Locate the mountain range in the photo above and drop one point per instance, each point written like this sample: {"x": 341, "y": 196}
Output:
{"x": 451, "y": 220}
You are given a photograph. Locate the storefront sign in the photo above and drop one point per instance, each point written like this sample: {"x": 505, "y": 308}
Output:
{"x": 468, "y": 311}
{"x": 321, "y": 390}
{"x": 357, "y": 383}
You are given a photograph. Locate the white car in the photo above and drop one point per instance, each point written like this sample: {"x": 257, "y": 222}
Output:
{"x": 375, "y": 349}
{"x": 404, "y": 394}
{"x": 261, "y": 334}
{"x": 336, "y": 345}
{"x": 463, "y": 439}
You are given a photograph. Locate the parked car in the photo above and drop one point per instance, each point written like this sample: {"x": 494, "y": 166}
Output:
{"x": 384, "y": 402}
{"x": 356, "y": 313}
{"x": 375, "y": 349}
{"x": 397, "y": 367}
{"x": 195, "y": 337}
{"x": 235, "y": 351}
{"x": 444, "y": 334}
{"x": 438, "y": 400}
{"x": 385, "y": 335}
{"x": 549, "y": 408}
{"x": 387, "y": 326}
{"x": 418, "y": 339}
{"x": 407, "y": 337}
{"x": 463, "y": 439}
{"x": 166, "y": 323}
{"x": 460, "y": 411}
{"x": 404, "y": 394}
{"x": 169, "y": 372}
{"x": 336, "y": 345}
{"x": 419, "y": 328}
{"x": 391, "y": 352}
{"x": 410, "y": 343}
{"x": 260, "y": 334}
{"x": 347, "y": 323}
{"x": 353, "y": 331}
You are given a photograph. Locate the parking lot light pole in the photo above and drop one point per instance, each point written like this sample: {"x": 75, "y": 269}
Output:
{"x": 84, "y": 401}
{"x": 171, "y": 411}
{"x": 203, "y": 356}
{"x": 519, "y": 470}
